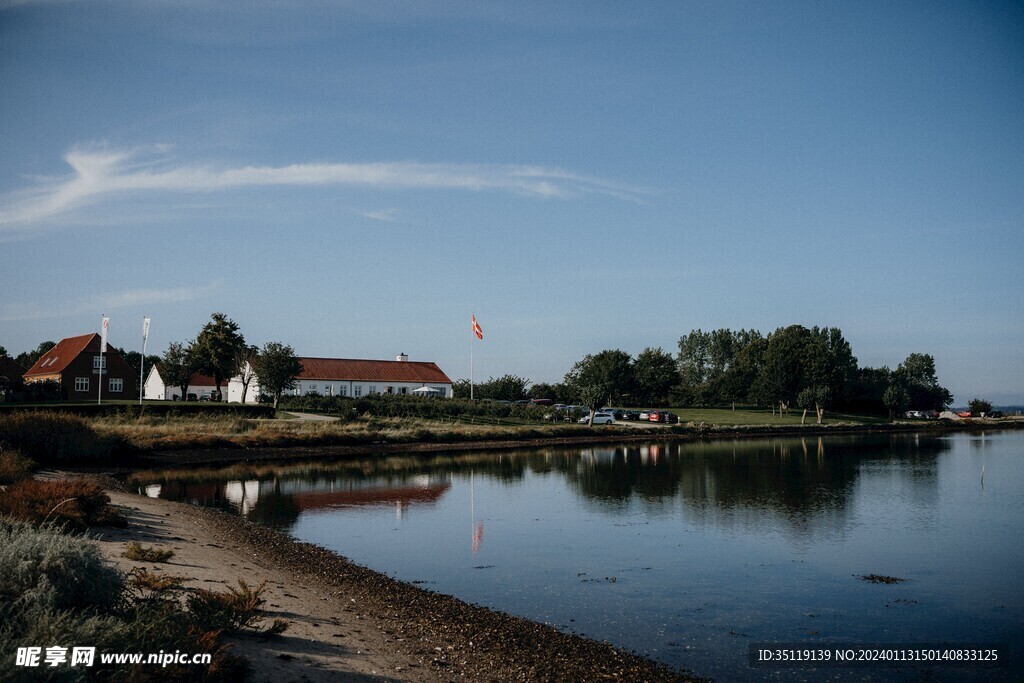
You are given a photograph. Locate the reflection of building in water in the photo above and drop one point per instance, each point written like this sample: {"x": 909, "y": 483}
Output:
{"x": 323, "y": 494}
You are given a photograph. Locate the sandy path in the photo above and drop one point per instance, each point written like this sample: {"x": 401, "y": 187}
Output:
{"x": 327, "y": 640}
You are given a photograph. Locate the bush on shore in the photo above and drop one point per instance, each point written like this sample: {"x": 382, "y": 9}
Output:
{"x": 56, "y": 438}
{"x": 58, "y": 590}
{"x": 13, "y": 466}
{"x": 75, "y": 504}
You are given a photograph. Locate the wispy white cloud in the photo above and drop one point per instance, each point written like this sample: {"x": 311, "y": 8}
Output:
{"x": 100, "y": 174}
{"x": 99, "y": 303}
{"x": 383, "y": 215}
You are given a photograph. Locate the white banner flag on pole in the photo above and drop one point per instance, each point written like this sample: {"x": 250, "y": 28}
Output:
{"x": 145, "y": 333}
{"x": 103, "y": 336}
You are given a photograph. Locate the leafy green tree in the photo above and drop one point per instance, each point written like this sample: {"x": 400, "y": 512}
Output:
{"x": 543, "y": 390}
{"x": 276, "y": 369}
{"x": 896, "y": 399}
{"x": 3, "y": 352}
{"x": 977, "y": 406}
{"x": 460, "y": 388}
{"x": 866, "y": 391}
{"x": 177, "y": 365}
{"x": 655, "y": 373}
{"x": 782, "y": 376}
{"x": 504, "y": 388}
{"x": 215, "y": 348}
{"x": 737, "y": 382}
{"x": 694, "y": 361}
{"x": 831, "y": 364}
{"x": 816, "y": 397}
{"x": 918, "y": 377}
{"x": 602, "y": 377}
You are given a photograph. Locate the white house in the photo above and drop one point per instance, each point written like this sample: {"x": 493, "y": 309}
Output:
{"x": 355, "y": 378}
{"x": 201, "y": 385}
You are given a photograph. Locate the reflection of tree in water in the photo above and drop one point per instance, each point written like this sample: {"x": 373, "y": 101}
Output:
{"x": 796, "y": 478}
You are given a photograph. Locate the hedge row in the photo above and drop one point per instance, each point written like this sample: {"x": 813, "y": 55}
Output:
{"x": 394, "y": 405}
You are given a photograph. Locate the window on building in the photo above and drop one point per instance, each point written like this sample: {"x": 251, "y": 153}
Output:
{"x": 311, "y": 389}
{"x": 358, "y": 391}
{"x": 403, "y": 391}
{"x": 328, "y": 390}
{"x": 372, "y": 389}
{"x": 116, "y": 385}
{"x": 99, "y": 362}
{"x": 342, "y": 390}
{"x": 81, "y": 384}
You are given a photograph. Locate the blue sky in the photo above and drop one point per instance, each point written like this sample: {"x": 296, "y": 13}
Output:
{"x": 353, "y": 178}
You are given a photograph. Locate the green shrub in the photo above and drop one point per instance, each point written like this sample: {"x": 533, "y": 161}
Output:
{"x": 43, "y": 567}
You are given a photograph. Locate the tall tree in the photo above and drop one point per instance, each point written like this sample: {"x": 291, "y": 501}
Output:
{"x": 918, "y": 377}
{"x": 602, "y": 377}
{"x": 694, "y": 362}
{"x": 655, "y": 373}
{"x": 782, "y": 376}
{"x": 276, "y": 369}
{"x": 177, "y": 365}
{"x": 215, "y": 348}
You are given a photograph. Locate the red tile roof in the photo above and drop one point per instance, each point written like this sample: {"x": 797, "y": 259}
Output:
{"x": 372, "y": 370}
{"x": 58, "y": 358}
{"x": 196, "y": 379}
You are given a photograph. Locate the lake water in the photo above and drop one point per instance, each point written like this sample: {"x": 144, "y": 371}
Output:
{"x": 686, "y": 552}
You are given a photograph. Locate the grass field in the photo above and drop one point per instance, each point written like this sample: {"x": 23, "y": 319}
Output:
{"x": 763, "y": 416}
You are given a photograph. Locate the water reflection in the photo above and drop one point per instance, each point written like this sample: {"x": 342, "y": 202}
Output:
{"x": 795, "y": 480}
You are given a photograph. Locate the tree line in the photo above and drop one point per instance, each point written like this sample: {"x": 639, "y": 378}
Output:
{"x": 792, "y": 367}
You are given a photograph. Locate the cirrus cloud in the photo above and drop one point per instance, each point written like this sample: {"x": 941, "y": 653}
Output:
{"x": 101, "y": 174}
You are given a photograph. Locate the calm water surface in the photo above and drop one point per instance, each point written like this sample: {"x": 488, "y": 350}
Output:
{"x": 685, "y": 552}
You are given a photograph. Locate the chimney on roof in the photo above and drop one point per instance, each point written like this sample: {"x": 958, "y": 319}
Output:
{"x": 401, "y": 358}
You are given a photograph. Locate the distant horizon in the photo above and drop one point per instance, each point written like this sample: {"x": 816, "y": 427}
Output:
{"x": 356, "y": 180}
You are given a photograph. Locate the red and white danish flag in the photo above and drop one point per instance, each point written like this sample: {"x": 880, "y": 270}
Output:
{"x": 477, "y": 330}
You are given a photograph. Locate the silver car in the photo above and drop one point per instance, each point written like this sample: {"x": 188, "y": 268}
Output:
{"x": 599, "y": 419}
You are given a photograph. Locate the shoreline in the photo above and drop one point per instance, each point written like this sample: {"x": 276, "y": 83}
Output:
{"x": 233, "y": 455}
{"x": 348, "y": 620}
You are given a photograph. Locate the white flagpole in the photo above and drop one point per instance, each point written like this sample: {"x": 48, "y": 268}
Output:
{"x": 142, "y": 363}
{"x": 103, "y": 347}
{"x": 471, "y": 335}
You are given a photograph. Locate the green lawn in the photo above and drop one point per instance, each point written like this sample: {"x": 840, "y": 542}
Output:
{"x": 763, "y": 416}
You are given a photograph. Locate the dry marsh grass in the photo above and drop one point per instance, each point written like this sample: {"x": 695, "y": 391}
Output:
{"x": 136, "y": 552}
{"x": 158, "y": 433}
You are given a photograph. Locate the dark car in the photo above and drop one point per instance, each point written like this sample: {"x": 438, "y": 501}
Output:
{"x": 629, "y": 415}
{"x": 994, "y": 413}
{"x": 663, "y": 416}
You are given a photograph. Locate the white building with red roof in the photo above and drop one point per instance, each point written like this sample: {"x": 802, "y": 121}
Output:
{"x": 354, "y": 378}
{"x": 200, "y": 387}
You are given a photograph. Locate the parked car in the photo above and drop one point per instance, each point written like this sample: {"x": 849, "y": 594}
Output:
{"x": 663, "y": 416}
{"x": 541, "y": 401}
{"x": 644, "y": 415}
{"x": 965, "y": 413}
{"x": 994, "y": 413}
{"x": 599, "y": 419}
{"x": 629, "y": 415}
{"x": 192, "y": 397}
